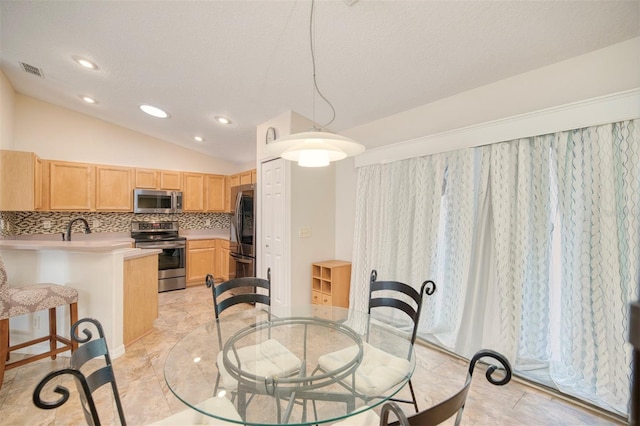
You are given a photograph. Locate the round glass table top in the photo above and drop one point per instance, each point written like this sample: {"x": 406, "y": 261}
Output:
{"x": 304, "y": 365}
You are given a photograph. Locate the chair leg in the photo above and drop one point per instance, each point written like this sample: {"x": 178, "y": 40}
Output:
{"x": 73, "y": 314}
{"x": 4, "y": 346}
{"x": 413, "y": 396}
{"x": 53, "y": 331}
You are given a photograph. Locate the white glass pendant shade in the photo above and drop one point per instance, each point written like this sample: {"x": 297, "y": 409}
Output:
{"x": 315, "y": 148}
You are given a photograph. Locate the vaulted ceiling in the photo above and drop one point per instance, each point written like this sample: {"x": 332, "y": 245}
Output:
{"x": 250, "y": 60}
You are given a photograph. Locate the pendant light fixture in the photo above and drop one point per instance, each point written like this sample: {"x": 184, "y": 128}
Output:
{"x": 316, "y": 147}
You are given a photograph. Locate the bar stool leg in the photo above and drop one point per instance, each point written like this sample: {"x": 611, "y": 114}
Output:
{"x": 4, "y": 346}
{"x": 53, "y": 331}
{"x": 73, "y": 314}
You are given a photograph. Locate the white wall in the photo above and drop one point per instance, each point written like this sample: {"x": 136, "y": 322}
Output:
{"x": 56, "y": 133}
{"x": 599, "y": 73}
{"x": 7, "y": 99}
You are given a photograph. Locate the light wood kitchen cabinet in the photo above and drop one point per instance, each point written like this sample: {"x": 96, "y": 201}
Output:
{"x": 71, "y": 186}
{"x": 170, "y": 180}
{"x": 20, "y": 181}
{"x": 222, "y": 263}
{"x": 114, "y": 188}
{"x": 140, "y": 297}
{"x": 193, "y": 192}
{"x": 201, "y": 260}
{"x": 215, "y": 193}
{"x": 254, "y": 176}
{"x": 245, "y": 178}
{"x": 158, "y": 179}
{"x": 330, "y": 283}
{"x": 146, "y": 179}
{"x": 235, "y": 180}
{"x": 227, "y": 194}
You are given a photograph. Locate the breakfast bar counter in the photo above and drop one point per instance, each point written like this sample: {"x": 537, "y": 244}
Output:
{"x": 96, "y": 269}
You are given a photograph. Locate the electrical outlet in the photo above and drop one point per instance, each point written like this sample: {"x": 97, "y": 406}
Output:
{"x": 1, "y": 224}
{"x": 207, "y": 222}
{"x": 96, "y": 223}
{"x": 46, "y": 224}
{"x": 36, "y": 322}
{"x": 304, "y": 233}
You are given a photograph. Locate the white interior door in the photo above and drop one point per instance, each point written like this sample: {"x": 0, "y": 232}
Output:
{"x": 274, "y": 220}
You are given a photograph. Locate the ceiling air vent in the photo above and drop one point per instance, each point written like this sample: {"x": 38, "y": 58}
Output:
{"x": 31, "y": 69}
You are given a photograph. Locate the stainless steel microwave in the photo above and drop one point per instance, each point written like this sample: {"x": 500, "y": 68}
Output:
{"x": 152, "y": 201}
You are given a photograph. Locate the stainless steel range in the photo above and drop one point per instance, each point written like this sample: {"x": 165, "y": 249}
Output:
{"x": 163, "y": 235}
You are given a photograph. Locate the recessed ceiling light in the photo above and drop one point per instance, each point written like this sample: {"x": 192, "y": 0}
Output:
{"x": 223, "y": 120}
{"x": 88, "y": 99}
{"x": 154, "y": 111}
{"x": 198, "y": 138}
{"x": 85, "y": 63}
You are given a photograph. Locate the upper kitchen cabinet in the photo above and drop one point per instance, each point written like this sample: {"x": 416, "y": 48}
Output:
{"x": 234, "y": 180}
{"x": 193, "y": 192}
{"x": 114, "y": 186}
{"x": 227, "y": 194}
{"x": 215, "y": 190}
{"x": 245, "y": 178}
{"x": 170, "y": 180}
{"x": 158, "y": 179}
{"x": 20, "y": 181}
{"x": 71, "y": 186}
{"x": 146, "y": 179}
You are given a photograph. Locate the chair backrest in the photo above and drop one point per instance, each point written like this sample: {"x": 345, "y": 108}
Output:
{"x": 393, "y": 298}
{"x": 240, "y": 290}
{"x": 456, "y": 403}
{"x": 86, "y": 381}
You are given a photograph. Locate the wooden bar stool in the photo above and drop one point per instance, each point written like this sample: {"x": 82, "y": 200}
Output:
{"x": 27, "y": 299}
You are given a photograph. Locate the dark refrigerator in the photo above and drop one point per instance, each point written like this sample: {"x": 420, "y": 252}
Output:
{"x": 243, "y": 232}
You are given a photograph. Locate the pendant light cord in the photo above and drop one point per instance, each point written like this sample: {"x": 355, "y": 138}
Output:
{"x": 313, "y": 62}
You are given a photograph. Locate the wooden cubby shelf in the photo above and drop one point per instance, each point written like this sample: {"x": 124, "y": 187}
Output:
{"x": 330, "y": 283}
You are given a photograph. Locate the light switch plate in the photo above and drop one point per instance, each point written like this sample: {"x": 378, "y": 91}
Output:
{"x": 46, "y": 224}
{"x": 304, "y": 233}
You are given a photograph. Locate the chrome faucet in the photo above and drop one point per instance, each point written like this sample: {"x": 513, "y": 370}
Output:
{"x": 87, "y": 230}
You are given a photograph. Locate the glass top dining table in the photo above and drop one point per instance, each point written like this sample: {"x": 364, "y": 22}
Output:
{"x": 305, "y": 396}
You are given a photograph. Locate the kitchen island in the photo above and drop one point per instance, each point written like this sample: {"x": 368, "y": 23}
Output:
{"x": 105, "y": 273}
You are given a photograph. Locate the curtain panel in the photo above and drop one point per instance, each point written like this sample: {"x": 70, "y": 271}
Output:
{"x": 534, "y": 246}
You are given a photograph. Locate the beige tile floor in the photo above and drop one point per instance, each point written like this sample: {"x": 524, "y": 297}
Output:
{"x": 146, "y": 397}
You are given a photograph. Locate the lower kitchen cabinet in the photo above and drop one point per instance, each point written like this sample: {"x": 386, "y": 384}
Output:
{"x": 140, "y": 297}
{"x": 222, "y": 266}
{"x": 201, "y": 260}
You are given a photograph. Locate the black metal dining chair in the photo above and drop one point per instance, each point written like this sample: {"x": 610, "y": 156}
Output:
{"x": 382, "y": 294}
{"x": 86, "y": 384}
{"x": 452, "y": 406}
{"x": 270, "y": 357}
{"x": 91, "y": 368}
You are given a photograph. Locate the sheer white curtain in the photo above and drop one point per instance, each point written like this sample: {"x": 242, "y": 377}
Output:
{"x": 534, "y": 245}
{"x": 400, "y": 231}
{"x": 598, "y": 172}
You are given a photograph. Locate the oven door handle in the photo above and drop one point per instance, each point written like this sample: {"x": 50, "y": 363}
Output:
{"x": 160, "y": 246}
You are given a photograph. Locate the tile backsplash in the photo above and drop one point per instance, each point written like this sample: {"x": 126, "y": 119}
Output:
{"x": 28, "y": 223}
